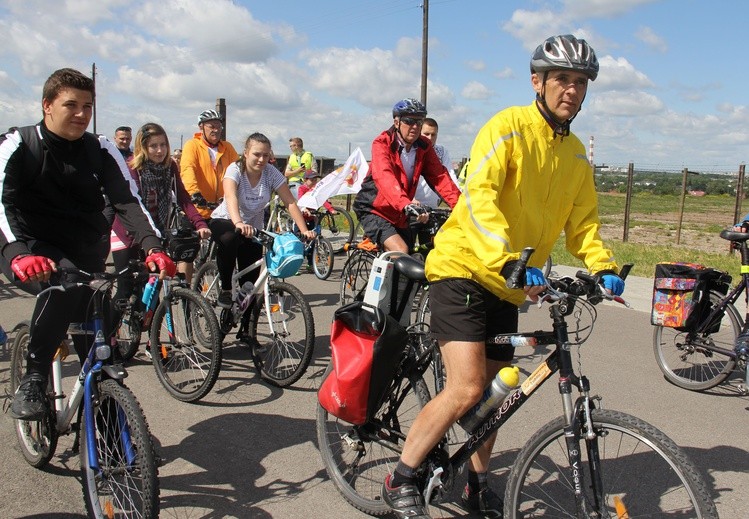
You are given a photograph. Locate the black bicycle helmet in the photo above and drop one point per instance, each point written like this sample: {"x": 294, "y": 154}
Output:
{"x": 208, "y": 115}
{"x": 408, "y": 107}
{"x": 565, "y": 52}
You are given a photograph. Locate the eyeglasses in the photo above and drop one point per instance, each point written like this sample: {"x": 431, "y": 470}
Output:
{"x": 410, "y": 121}
{"x": 214, "y": 124}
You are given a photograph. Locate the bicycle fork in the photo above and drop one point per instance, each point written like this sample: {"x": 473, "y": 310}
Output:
{"x": 579, "y": 427}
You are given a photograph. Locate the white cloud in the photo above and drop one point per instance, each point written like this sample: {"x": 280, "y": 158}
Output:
{"x": 505, "y": 73}
{"x": 632, "y": 104}
{"x": 476, "y": 91}
{"x": 620, "y": 74}
{"x": 601, "y": 8}
{"x": 476, "y": 65}
{"x": 648, "y": 36}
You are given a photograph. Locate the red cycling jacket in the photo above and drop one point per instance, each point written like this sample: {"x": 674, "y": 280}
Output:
{"x": 386, "y": 191}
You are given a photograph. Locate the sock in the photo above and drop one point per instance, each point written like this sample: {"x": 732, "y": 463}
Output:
{"x": 476, "y": 481}
{"x": 402, "y": 475}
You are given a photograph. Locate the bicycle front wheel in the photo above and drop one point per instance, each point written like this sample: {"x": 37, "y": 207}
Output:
{"x": 38, "y": 439}
{"x": 357, "y": 458}
{"x": 282, "y": 334}
{"x": 684, "y": 358}
{"x": 185, "y": 345}
{"x": 354, "y": 277}
{"x": 640, "y": 473}
{"x": 322, "y": 257}
{"x": 338, "y": 228}
{"x": 126, "y": 484}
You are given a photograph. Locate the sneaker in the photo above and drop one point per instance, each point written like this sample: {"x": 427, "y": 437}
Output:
{"x": 225, "y": 299}
{"x": 485, "y": 502}
{"x": 30, "y": 401}
{"x": 405, "y": 500}
{"x": 148, "y": 352}
{"x": 3, "y": 337}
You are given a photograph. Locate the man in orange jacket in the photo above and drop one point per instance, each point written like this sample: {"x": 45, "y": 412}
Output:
{"x": 205, "y": 158}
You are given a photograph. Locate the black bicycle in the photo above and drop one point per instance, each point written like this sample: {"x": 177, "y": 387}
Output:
{"x": 703, "y": 356}
{"x": 588, "y": 463}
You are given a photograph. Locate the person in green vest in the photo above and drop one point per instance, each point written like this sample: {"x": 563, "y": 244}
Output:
{"x": 299, "y": 162}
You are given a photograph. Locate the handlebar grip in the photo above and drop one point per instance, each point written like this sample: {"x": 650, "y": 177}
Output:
{"x": 516, "y": 279}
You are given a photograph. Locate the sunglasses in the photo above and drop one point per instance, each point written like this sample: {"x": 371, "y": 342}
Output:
{"x": 410, "y": 121}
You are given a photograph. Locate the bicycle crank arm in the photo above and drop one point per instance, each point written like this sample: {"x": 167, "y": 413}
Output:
{"x": 435, "y": 482}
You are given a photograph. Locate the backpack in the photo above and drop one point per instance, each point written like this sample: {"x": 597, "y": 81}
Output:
{"x": 286, "y": 256}
{"x": 34, "y": 150}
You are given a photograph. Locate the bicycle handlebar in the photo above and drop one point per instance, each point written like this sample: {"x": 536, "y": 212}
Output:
{"x": 65, "y": 277}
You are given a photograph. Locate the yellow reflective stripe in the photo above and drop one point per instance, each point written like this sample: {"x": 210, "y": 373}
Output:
{"x": 745, "y": 269}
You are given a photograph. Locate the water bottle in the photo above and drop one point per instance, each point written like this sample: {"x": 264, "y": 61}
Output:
{"x": 505, "y": 381}
{"x": 148, "y": 291}
{"x": 244, "y": 295}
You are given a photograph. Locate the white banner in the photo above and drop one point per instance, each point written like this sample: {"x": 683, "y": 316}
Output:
{"x": 343, "y": 181}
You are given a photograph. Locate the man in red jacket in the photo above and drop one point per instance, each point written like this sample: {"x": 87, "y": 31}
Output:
{"x": 400, "y": 156}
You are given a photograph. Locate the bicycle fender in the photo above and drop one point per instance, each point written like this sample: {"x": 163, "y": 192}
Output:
{"x": 115, "y": 372}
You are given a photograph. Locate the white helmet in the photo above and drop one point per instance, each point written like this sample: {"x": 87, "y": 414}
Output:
{"x": 208, "y": 115}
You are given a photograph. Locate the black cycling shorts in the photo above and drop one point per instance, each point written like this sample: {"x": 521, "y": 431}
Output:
{"x": 463, "y": 310}
{"x": 378, "y": 230}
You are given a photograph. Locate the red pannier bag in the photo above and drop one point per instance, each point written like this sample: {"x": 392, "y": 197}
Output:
{"x": 367, "y": 347}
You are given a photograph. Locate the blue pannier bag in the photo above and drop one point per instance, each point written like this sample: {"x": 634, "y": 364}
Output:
{"x": 286, "y": 255}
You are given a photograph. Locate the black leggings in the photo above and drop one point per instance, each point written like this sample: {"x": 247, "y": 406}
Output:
{"x": 233, "y": 249}
{"x": 55, "y": 310}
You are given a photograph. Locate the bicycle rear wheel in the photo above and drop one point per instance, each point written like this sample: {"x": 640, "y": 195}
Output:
{"x": 206, "y": 282}
{"x": 684, "y": 359}
{"x": 354, "y": 276}
{"x": 358, "y": 458}
{"x": 282, "y": 334}
{"x": 38, "y": 440}
{"x": 127, "y": 483}
{"x": 338, "y": 228}
{"x": 642, "y": 473}
{"x": 322, "y": 257}
{"x": 185, "y": 345}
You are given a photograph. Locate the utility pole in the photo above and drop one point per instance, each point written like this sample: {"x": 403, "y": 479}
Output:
{"x": 424, "y": 51}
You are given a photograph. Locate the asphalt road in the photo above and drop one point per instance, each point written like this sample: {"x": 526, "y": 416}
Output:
{"x": 249, "y": 450}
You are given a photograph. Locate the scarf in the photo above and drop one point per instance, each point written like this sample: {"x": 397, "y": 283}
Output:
{"x": 156, "y": 192}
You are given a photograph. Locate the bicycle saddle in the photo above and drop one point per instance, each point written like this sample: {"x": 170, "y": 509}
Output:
{"x": 413, "y": 268}
{"x": 727, "y": 234}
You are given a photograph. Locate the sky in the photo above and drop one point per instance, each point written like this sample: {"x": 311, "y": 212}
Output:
{"x": 671, "y": 92}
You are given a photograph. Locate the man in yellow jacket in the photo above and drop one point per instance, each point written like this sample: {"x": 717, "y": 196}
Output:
{"x": 204, "y": 160}
{"x": 528, "y": 180}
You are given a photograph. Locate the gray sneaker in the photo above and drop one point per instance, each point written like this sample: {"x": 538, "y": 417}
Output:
{"x": 30, "y": 400}
{"x": 405, "y": 500}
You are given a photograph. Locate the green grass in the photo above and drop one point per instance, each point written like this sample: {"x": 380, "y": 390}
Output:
{"x": 645, "y": 257}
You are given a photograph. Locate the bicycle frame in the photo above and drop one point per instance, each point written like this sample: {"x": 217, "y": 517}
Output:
{"x": 85, "y": 388}
{"x": 557, "y": 361}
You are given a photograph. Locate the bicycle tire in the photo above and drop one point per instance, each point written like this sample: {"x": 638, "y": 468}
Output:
{"x": 128, "y": 333}
{"x": 639, "y": 465}
{"x": 37, "y": 439}
{"x": 687, "y": 364}
{"x": 358, "y": 458}
{"x": 120, "y": 488}
{"x": 322, "y": 257}
{"x": 187, "y": 361}
{"x": 338, "y": 228}
{"x": 282, "y": 347}
{"x": 354, "y": 276}
{"x": 206, "y": 282}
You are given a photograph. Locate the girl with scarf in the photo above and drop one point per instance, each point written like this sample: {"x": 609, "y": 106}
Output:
{"x": 157, "y": 177}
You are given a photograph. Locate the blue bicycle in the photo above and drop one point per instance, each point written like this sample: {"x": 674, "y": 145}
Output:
{"x": 117, "y": 455}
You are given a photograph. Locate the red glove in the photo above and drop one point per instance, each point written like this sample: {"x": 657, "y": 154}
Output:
{"x": 163, "y": 262}
{"x": 29, "y": 266}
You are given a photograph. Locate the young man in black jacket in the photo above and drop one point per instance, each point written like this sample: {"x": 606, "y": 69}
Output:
{"x": 51, "y": 182}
